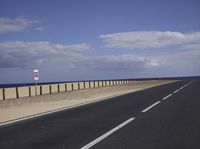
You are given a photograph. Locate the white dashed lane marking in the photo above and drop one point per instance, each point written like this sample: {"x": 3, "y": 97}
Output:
{"x": 145, "y": 110}
{"x": 167, "y": 96}
{"x": 89, "y": 145}
{"x": 176, "y": 91}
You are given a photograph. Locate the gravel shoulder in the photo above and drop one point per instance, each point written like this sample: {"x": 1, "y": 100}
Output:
{"x": 24, "y": 107}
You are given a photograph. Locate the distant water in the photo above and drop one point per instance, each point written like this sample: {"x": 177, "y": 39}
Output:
{"x": 32, "y": 84}
{"x": 26, "y": 84}
{"x": 142, "y": 79}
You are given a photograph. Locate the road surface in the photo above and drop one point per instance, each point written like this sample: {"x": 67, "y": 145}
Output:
{"x": 162, "y": 117}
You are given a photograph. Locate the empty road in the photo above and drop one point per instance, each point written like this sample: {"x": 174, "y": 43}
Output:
{"x": 163, "y": 117}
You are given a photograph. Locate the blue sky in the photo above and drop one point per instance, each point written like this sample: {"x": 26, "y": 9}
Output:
{"x": 98, "y": 39}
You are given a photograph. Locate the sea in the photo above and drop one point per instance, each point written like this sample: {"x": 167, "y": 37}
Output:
{"x": 188, "y": 78}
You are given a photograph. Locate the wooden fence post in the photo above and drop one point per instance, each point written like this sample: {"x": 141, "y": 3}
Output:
{"x": 29, "y": 89}
{"x": 50, "y": 89}
{"x": 41, "y": 90}
{"x": 3, "y": 90}
{"x": 65, "y": 87}
{"x": 58, "y": 88}
{"x": 78, "y": 86}
{"x": 17, "y": 92}
{"x": 72, "y": 86}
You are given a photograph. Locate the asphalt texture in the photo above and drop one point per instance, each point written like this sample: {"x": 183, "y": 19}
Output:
{"x": 172, "y": 123}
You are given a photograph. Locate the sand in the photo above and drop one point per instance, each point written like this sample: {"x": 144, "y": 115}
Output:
{"x": 24, "y": 107}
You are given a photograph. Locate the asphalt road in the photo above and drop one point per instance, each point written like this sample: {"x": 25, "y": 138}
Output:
{"x": 163, "y": 117}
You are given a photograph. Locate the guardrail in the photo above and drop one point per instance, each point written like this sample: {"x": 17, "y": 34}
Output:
{"x": 28, "y": 91}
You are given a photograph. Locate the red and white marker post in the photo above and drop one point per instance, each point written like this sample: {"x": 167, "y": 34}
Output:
{"x": 35, "y": 78}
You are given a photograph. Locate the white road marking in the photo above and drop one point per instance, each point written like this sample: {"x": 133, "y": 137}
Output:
{"x": 185, "y": 85}
{"x": 189, "y": 83}
{"x": 167, "y": 96}
{"x": 181, "y": 88}
{"x": 145, "y": 110}
{"x": 89, "y": 145}
{"x": 176, "y": 91}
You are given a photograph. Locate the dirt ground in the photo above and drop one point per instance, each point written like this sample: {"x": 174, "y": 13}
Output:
{"x": 24, "y": 107}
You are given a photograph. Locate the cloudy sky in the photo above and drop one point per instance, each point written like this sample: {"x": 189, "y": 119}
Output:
{"x": 98, "y": 39}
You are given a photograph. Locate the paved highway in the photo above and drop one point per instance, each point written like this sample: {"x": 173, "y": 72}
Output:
{"x": 163, "y": 117}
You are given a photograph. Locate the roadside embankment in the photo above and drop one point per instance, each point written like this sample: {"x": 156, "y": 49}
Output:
{"x": 28, "y": 107}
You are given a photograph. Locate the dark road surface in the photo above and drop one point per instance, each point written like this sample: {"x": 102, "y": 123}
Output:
{"x": 163, "y": 117}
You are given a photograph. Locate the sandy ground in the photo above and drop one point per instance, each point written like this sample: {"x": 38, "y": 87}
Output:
{"x": 17, "y": 108}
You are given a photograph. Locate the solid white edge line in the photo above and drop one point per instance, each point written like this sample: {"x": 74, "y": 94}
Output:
{"x": 167, "y": 96}
{"x": 145, "y": 110}
{"x": 89, "y": 145}
{"x": 176, "y": 91}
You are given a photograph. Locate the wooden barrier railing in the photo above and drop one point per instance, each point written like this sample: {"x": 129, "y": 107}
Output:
{"x": 28, "y": 91}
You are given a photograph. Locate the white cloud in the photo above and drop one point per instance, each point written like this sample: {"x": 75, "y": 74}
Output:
{"x": 119, "y": 63}
{"x": 191, "y": 46}
{"x": 148, "y": 39}
{"x": 19, "y": 24}
{"x": 39, "y": 28}
{"x": 23, "y": 54}
{"x": 179, "y": 64}
{"x": 72, "y": 61}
